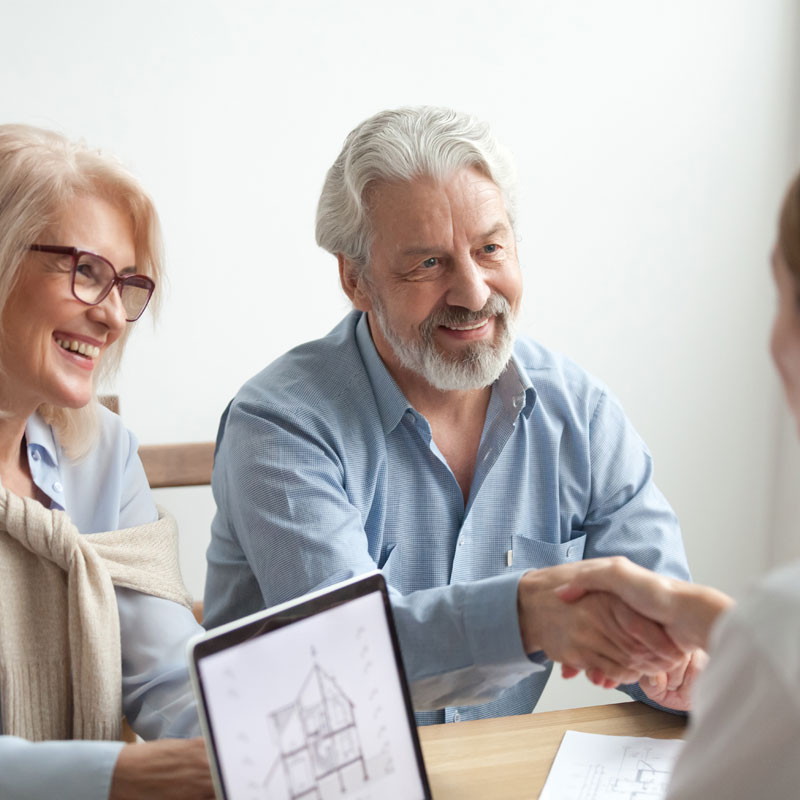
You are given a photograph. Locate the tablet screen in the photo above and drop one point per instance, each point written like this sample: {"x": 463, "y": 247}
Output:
{"x": 313, "y": 709}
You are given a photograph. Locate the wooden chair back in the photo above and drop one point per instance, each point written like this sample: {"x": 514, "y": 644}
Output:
{"x": 186, "y": 464}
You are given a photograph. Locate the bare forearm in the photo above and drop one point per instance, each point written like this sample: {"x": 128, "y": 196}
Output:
{"x": 696, "y": 609}
{"x": 170, "y": 769}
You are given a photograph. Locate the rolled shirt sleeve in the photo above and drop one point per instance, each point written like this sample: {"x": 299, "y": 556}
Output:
{"x": 743, "y": 735}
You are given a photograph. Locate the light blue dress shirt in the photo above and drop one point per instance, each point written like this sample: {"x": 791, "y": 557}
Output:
{"x": 107, "y": 490}
{"x": 324, "y": 470}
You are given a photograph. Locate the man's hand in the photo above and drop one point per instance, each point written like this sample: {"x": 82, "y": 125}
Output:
{"x": 169, "y": 769}
{"x": 687, "y": 611}
{"x": 597, "y": 633}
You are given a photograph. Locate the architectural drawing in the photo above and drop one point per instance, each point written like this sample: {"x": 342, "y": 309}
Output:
{"x": 591, "y": 766}
{"x": 641, "y": 775}
{"x": 319, "y": 746}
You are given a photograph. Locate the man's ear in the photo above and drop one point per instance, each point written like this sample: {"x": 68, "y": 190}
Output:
{"x": 353, "y": 283}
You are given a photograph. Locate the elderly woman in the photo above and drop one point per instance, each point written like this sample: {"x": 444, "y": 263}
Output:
{"x": 93, "y": 614}
{"x": 744, "y": 737}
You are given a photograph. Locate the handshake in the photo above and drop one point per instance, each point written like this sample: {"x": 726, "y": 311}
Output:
{"x": 620, "y": 623}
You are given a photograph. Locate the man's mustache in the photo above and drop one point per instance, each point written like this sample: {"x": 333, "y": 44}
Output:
{"x": 496, "y": 306}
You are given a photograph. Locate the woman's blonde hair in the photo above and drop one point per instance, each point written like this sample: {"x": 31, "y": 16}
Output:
{"x": 40, "y": 173}
{"x": 789, "y": 228}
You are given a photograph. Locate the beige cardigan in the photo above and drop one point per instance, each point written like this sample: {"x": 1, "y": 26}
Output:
{"x": 60, "y": 662}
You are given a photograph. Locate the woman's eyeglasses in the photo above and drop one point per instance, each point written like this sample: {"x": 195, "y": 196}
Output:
{"x": 93, "y": 277}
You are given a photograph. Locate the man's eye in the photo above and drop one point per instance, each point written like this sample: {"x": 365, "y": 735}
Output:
{"x": 490, "y": 248}
{"x": 430, "y": 262}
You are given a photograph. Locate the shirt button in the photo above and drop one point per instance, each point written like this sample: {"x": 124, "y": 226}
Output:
{"x": 57, "y": 487}
{"x": 35, "y": 455}
{"x": 456, "y": 717}
{"x": 571, "y": 551}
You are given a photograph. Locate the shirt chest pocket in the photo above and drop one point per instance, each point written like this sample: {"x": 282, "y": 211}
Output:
{"x": 530, "y": 553}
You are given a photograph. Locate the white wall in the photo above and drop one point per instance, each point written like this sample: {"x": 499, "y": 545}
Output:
{"x": 653, "y": 143}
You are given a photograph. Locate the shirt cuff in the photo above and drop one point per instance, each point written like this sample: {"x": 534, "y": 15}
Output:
{"x": 491, "y": 620}
{"x": 69, "y": 770}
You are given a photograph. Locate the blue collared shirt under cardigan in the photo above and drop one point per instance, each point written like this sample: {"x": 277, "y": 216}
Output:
{"x": 106, "y": 490}
{"x": 324, "y": 470}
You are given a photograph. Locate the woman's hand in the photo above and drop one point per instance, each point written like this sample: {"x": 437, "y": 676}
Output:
{"x": 169, "y": 769}
{"x": 598, "y": 633}
{"x": 687, "y": 611}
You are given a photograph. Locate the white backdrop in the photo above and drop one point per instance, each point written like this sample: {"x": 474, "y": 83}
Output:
{"x": 653, "y": 143}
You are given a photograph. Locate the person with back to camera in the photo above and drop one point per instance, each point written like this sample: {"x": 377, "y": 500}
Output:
{"x": 94, "y": 617}
{"x": 744, "y": 735}
{"x": 475, "y": 467}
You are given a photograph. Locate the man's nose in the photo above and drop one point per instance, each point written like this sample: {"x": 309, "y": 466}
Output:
{"x": 468, "y": 287}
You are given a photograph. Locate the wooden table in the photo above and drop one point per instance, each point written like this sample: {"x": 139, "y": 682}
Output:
{"x": 508, "y": 758}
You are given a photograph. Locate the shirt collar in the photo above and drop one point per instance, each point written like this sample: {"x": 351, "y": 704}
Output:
{"x": 392, "y": 403}
{"x": 516, "y": 388}
{"x": 513, "y": 387}
{"x": 39, "y": 435}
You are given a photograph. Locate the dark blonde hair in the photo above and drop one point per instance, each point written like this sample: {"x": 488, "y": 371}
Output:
{"x": 40, "y": 173}
{"x": 789, "y": 228}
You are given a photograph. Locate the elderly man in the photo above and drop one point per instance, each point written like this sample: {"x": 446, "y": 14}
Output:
{"x": 474, "y": 467}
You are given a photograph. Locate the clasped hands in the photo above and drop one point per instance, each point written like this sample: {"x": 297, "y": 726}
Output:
{"x": 620, "y": 623}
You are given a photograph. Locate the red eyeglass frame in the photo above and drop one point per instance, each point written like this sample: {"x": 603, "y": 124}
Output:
{"x": 139, "y": 281}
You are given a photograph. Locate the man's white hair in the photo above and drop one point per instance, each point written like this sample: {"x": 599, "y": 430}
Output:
{"x": 400, "y": 145}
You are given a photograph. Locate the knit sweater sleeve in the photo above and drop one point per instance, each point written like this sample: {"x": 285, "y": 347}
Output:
{"x": 75, "y": 770}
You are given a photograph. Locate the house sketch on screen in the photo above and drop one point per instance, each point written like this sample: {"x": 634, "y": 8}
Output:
{"x": 318, "y": 740}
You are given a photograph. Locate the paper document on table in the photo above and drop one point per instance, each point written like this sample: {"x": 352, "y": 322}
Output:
{"x": 590, "y": 766}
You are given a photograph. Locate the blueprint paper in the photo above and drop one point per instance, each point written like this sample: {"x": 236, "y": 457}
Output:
{"x": 590, "y": 766}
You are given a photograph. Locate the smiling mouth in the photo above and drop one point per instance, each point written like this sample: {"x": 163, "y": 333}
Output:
{"x": 467, "y": 327}
{"x": 81, "y": 348}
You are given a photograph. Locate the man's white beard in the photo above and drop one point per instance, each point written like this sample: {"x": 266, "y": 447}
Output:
{"x": 474, "y": 367}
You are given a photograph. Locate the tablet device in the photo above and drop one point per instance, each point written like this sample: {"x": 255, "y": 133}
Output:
{"x": 309, "y": 700}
